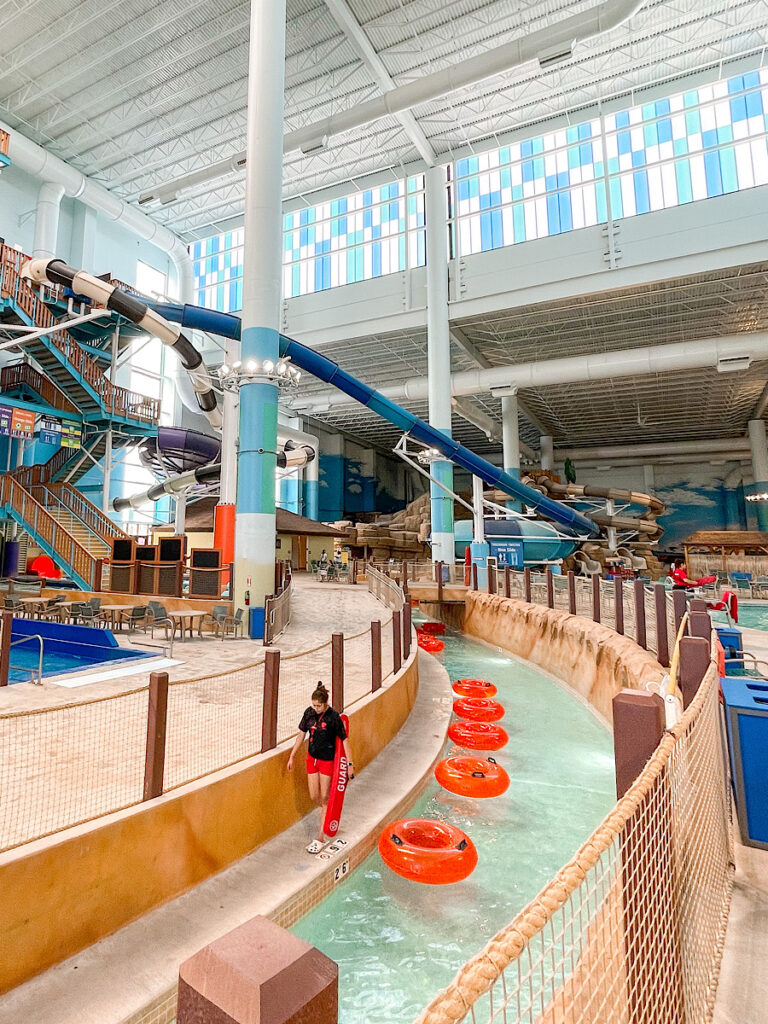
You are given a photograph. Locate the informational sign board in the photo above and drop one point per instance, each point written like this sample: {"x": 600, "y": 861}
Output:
{"x": 508, "y": 552}
{"x": 6, "y": 415}
{"x": 23, "y": 423}
{"x": 50, "y": 431}
{"x": 71, "y": 434}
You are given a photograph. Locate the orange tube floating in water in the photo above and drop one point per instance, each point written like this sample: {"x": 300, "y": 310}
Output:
{"x": 433, "y": 628}
{"x": 474, "y": 688}
{"x": 478, "y": 709}
{"x": 472, "y": 776}
{"x": 429, "y": 643}
{"x": 427, "y": 851}
{"x": 478, "y": 735}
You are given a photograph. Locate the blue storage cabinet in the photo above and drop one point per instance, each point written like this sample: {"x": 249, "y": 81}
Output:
{"x": 746, "y": 713}
{"x": 730, "y": 638}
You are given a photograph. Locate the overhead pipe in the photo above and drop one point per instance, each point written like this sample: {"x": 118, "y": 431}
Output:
{"x": 47, "y": 219}
{"x": 548, "y": 46}
{"x": 633, "y": 362}
{"x": 656, "y": 448}
{"x": 608, "y": 465}
{"x": 286, "y": 434}
{"x": 27, "y": 156}
{"x": 139, "y": 313}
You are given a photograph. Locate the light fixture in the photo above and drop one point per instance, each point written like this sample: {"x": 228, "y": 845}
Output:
{"x": 283, "y": 374}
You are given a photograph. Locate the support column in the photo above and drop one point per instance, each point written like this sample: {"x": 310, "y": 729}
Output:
{"x": 547, "y": 453}
{"x": 510, "y": 439}
{"x": 759, "y": 450}
{"x": 439, "y": 357}
{"x": 479, "y": 548}
{"x": 649, "y": 479}
{"x": 255, "y": 517}
{"x": 107, "y": 464}
{"x": 47, "y": 220}
{"x": 731, "y": 484}
{"x": 181, "y": 513}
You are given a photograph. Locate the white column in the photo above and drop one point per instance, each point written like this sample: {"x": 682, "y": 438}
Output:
{"x": 181, "y": 513}
{"x": 439, "y": 359}
{"x": 759, "y": 450}
{"x": 547, "y": 453}
{"x": 107, "y": 465}
{"x": 510, "y": 439}
{"x": 649, "y": 479}
{"x": 47, "y": 220}
{"x": 262, "y": 274}
{"x": 229, "y": 431}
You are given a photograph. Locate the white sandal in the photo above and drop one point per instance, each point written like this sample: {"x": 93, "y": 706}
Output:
{"x": 315, "y": 846}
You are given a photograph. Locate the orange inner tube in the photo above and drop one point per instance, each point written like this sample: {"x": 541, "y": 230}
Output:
{"x": 429, "y": 643}
{"x": 472, "y": 776}
{"x": 474, "y": 688}
{"x": 433, "y": 628}
{"x": 478, "y": 735}
{"x": 478, "y": 709}
{"x": 427, "y": 851}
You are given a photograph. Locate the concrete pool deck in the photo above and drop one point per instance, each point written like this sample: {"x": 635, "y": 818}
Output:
{"x": 130, "y": 976}
{"x": 318, "y": 609}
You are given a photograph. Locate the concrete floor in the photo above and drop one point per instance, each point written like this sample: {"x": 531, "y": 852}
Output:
{"x": 112, "y": 981}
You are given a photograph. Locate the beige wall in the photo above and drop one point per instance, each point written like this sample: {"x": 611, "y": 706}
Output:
{"x": 591, "y": 658}
{"x": 63, "y": 893}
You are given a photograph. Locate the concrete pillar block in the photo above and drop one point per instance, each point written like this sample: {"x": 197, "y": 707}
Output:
{"x": 258, "y": 974}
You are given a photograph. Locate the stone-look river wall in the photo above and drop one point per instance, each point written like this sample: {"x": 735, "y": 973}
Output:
{"x": 591, "y": 658}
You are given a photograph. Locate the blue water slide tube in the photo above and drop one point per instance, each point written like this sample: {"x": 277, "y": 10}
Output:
{"x": 327, "y": 370}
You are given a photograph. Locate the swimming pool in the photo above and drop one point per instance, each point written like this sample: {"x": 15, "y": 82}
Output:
{"x": 66, "y": 649}
{"x": 397, "y": 943}
{"x": 753, "y": 616}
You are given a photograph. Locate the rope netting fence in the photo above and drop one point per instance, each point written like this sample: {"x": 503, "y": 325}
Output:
{"x": 631, "y": 929}
{"x": 66, "y": 765}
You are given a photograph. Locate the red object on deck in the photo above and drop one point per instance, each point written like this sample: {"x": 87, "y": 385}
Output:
{"x": 44, "y": 566}
{"x": 224, "y": 535}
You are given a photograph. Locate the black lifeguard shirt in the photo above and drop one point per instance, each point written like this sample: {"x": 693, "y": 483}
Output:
{"x": 323, "y": 730}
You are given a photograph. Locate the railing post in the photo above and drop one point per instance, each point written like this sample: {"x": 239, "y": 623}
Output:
{"x": 404, "y": 576}
{"x": 375, "y": 655}
{"x": 640, "y": 633}
{"x": 618, "y": 603}
{"x": 406, "y": 631}
{"x": 354, "y": 571}
{"x": 507, "y": 582}
{"x": 596, "y": 597}
{"x": 527, "y": 584}
{"x": 269, "y": 705}
{"x": 6, "y": 627}
{"x": 474, "y": 576}
{"x": 439, "y": 574}
{"x": 571, "y": 592}
{"x": 700, "y": 624}
{"x": 638, "y": 727}
{"x": 695, "y": 656}
{"x": 157, "y": 718}
{"x": 98, "y": 571}
{"x": 662, "y": 641}
{"x": 492, "y": 582}
{"x": 680, "y": 605}
{"x": 397, "y": 658}
{"x": 337, "y": 671}
{"x": 550, "y": 588}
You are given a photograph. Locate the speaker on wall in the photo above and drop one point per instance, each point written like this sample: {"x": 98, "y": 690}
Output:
{"x": 145, "y": 553}
{"x": 122, "y": 549}
{"x": 171, "y": 549}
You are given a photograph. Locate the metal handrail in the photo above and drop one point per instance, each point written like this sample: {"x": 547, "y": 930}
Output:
{"x": 18, "y": 668}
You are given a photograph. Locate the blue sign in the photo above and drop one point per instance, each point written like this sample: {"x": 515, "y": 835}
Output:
{"x": 508, "y": 552}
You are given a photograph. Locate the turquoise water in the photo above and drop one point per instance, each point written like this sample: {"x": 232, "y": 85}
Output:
{"x": 26, "y": 656}
{"x": 397, "y": 943}
{"x": 753, "y": 616}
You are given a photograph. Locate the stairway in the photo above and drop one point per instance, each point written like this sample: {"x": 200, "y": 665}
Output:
{"x": 65, "y": 362}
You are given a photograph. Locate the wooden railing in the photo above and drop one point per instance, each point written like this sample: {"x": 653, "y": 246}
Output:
{"x": 88, "y": 513}
{"x": 117, "y": 401}
{"x": 29, "y": 476}
{"x": 22, "y": 373}
{"x": 42, "y": 526}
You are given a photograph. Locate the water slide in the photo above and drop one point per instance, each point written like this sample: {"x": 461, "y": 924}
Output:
{"x": 228, "y": 326}
{"x": 644, "y": 524}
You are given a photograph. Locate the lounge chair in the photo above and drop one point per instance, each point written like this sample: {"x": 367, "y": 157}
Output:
{"x": 219, "y": 613}
{"x": 230, "y": 625}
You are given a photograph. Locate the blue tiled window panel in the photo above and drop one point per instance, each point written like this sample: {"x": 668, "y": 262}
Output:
{"x": 218, "y": 271}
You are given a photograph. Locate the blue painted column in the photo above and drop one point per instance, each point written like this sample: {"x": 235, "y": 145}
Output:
{"x": 290, "y": 493}
{"x": 510, "y": 439}
{"x": 759, "y": 450}
{"x": 255, "y": 506}
{"x": 439, "y": 359}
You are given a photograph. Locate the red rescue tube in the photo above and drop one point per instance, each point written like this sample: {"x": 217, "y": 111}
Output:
{"x": 433, "y": 628}
{"x": 339, "y": 783}
{"x": 474, "y": 688}
{"x": 429, "y": 643}
{"x": 478, "y": 735}
{"x": 478, "y": 709}
{"x": 472, "y": 776}
{"x": 431, "y": 852}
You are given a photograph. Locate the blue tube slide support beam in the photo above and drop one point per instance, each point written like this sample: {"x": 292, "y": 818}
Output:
{"x": 327, "y": 370}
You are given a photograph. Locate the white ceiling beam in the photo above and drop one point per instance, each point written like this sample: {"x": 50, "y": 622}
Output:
{"x": 347, "y": 22}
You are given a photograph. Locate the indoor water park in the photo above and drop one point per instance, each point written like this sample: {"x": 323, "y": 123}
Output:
{"x": 384, "y": 512}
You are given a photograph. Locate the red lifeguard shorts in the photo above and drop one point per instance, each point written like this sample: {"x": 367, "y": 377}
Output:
{"x": 315, "y": 765}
